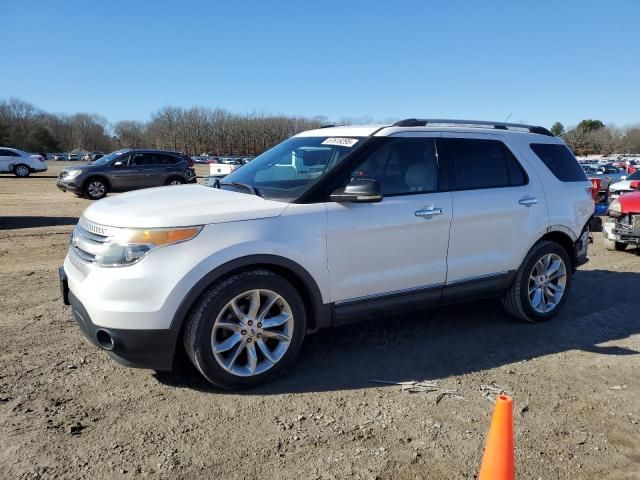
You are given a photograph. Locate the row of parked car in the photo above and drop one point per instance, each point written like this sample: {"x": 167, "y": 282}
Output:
{"x": 74, "y": 157}
{"x": 616, "y": 191}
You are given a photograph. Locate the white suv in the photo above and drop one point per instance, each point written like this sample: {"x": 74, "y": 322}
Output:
{"x": 332, "y": 225}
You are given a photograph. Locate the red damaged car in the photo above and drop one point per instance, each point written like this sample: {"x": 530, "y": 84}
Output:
{"x": 623, "y": 226}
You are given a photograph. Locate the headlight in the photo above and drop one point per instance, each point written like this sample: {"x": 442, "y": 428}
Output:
{"x": 129, "y": 246}
{"x": 72, "y": 174}
{"x": 615, "y": 209}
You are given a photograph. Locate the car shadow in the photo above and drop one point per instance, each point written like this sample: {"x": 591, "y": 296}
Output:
{"x": 9, "y": 223}
{"x": 452, "y": 341}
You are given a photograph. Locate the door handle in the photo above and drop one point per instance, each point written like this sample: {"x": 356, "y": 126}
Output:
{"x": 528, "y": 201}
{"x": 428, "y": 212}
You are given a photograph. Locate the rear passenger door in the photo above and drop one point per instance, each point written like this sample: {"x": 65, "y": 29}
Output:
{"x": 497, "y": 211}
{"x": 159, "y": 169}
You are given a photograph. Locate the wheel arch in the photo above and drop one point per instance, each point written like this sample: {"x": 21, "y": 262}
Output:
{"x": 563, "y": 239}
{"x": 318, "y": 313}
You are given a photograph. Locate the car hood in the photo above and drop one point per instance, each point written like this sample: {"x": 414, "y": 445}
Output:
{"x": 82, "y": 168}
{"x": 622, "y": 185}
{"x": 180, "y": 206}
{"x": 630, "y": 202}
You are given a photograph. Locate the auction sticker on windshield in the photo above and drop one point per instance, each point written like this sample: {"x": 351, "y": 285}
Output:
{"x": 340, "y": 141}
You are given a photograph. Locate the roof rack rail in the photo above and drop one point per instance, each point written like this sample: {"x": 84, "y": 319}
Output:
{"x": 416, "y": 122}
{"x": 328, "y": 125}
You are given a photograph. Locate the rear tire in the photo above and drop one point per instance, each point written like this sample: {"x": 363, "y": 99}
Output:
{"x": 175, "y": 181}
{"x": 533, "y": 298}
{"x": 612, "y": 245}
{"x": 21, "y": 170}
{"x": 238, "y": 338}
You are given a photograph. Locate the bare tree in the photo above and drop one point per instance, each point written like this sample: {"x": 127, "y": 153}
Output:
{"x": 130, "y": 133}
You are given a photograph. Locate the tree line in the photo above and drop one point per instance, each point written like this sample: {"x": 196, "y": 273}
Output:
{"x": 199, "y": 129}
{"x": 593, "y": 137}
{"x": 192, "y": 131}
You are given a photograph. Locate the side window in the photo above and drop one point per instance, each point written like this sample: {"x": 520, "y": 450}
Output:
{"x": 483, "y": 164}
{"x": 403, "y": 166}
{"x": 166, "y": 159}
{"x": 559, "y": 159}
{"x": 124, "y": 159}
{"x": 142, "y": 159}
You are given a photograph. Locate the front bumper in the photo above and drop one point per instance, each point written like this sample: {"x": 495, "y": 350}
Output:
{"x": 612, "y": 231}
{"x": 153, "y": 349}
{"x": 68, "y": 186}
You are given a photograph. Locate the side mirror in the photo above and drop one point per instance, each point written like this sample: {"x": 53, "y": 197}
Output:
{"x": 623, "y": 177}
{"x": 359, "y": 190}
{"x": 117, "y": 164}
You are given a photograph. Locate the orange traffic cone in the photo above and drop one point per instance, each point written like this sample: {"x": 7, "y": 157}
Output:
{"x": 498, "y": 462}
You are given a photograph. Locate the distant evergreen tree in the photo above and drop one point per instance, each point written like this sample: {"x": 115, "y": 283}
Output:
{"x": 41, "y": 140}
{"x": 557, "y": 129}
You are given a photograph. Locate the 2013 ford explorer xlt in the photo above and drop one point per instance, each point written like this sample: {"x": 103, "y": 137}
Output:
{"x": 331, "y": 225}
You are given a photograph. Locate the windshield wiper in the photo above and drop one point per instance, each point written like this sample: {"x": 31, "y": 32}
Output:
{"x": 246, "y": 186}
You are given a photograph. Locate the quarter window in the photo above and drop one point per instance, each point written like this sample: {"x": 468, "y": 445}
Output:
{"x": 403, "y": 166}
{"x": 559, "y": 159}
{"x": 483, "y": 164}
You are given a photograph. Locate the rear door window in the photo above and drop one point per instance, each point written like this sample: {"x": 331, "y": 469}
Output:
{"x": 142, "y": 159}
{"x": 164, "y": 159}
{"x": 559, "y": 159}
{"x": 478, "y": 163}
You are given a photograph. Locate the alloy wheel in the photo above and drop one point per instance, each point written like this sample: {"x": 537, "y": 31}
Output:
{"x": 547, "y": 283}
{"x": 22, "y": 171}
{"x": 96, "y": 189}
{"x": 252, "y": 333}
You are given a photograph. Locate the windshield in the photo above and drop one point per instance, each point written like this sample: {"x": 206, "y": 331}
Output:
{"x": 289, "y": 169}
{"x": 634, "y": 176}
{"x": 107, "y": 158}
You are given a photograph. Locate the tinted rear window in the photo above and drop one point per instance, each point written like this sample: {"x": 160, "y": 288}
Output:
{"x": 483, "y": 164}
{"x": 560, "y": 160}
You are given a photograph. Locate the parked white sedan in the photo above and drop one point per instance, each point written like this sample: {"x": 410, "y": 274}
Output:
{"x": 20, "y": 163}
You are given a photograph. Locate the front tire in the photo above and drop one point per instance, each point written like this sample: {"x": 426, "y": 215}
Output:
{"x": 612, "y": 245}
{"x": 21, "y": 170}
{"x": 245, "y": 330}
{"x": 95, "y": 189}
{"x": 541, "y": 285}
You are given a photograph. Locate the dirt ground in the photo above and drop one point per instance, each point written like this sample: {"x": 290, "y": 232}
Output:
{"x": 68, "y": 411}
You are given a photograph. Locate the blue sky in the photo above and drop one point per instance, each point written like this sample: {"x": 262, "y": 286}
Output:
{"x": 529, "y": 61}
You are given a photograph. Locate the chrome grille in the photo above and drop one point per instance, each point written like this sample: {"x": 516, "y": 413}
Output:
{"x": 87, "y": 241}
{"x": 93, "y": 228}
